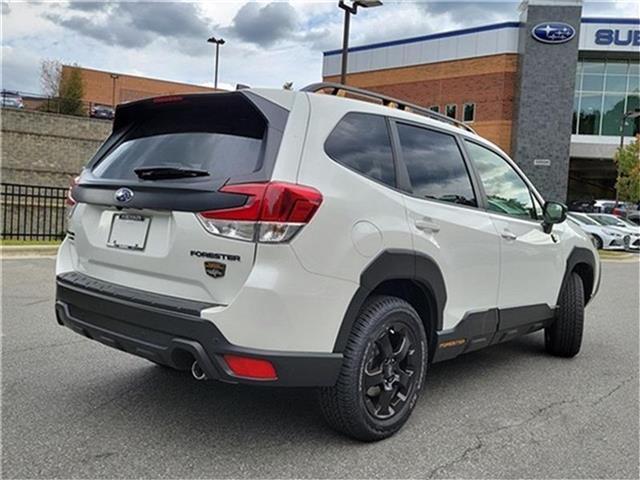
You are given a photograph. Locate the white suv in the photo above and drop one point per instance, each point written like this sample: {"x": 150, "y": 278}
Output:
{"x": 270, "y": 237}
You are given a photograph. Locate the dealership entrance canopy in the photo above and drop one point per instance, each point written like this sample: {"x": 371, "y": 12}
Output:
{"x": 550, "y": 89}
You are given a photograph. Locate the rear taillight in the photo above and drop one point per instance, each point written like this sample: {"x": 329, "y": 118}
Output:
{"x": 70, "y": 201}
{"x": 273, "y": 213}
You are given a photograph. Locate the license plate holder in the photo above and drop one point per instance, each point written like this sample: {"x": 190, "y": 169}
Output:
{"x": 128, "y": 231}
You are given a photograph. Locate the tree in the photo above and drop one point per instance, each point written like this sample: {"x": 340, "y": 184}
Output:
{"x": 627, "y": 160}
{"x": 71, "y": 91}
{"x": 50, "y": 74}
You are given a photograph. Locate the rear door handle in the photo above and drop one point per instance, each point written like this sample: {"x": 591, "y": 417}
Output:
{"x": 427, "y": 225}
{"x": 508, "y": 235}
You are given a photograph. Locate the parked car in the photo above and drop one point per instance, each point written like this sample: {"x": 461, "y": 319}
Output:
{"x": 611, "y": 206}
{"x": 280, "y": 238}
{"x": 604, "y": 238}
{"x": 634, "y": 217}
{"x": 102, "y": 111}
{"x": 603, "y": 206}
{"x": 11, "y": 99}
{"x": 630, "y": 231}
{"x": 581, "y": 206}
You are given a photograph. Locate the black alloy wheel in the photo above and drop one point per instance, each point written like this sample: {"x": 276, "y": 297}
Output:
{"x": 389, "y": 374}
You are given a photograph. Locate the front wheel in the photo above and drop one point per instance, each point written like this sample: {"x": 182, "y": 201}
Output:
{"x": 382, "y": 373}
{"x": 563, "y": 337}
{"x": 598, "y": 242}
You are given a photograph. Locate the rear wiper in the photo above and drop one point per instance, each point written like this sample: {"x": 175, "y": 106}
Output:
{"x": 159, "y": 173}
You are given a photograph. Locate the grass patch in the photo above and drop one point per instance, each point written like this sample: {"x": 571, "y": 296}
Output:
{"x": 29, "y": 243}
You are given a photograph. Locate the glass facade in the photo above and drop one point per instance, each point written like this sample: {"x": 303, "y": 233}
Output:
{"x": 605, "y": 90}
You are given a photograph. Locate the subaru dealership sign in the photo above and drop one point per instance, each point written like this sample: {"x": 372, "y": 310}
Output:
{"x": 610, "y": 34}
{"x": 620, "y": 37}
{"x": 553, "y": 32}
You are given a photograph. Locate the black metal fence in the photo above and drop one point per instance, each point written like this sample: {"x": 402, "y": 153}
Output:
{"x": 32, "y": 212}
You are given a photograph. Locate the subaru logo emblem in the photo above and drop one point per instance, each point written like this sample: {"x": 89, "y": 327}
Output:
{"x": 123, "y": 195}
{"x": 553, "y": 32}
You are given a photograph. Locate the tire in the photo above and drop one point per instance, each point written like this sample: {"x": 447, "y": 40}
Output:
{"x": 598, "y": 241}
{"x": 384, "y": 364}
{"x": 564, "y": 337}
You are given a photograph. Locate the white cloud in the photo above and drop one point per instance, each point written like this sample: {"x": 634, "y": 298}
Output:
{"x": 276, "y": 43}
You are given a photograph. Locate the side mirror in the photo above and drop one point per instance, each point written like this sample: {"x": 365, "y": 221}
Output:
{"x": 552, "y": 213}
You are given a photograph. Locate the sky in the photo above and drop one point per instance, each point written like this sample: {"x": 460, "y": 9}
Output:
{"x": 267, "y": 43}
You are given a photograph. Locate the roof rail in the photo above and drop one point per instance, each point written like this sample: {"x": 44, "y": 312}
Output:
{"x": 386, "y": 101}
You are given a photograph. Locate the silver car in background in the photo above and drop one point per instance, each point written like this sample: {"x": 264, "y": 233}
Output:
{"x": 629, "y": 231}
{"x": 604, "y": 238}
{"x": 11, "y": 99}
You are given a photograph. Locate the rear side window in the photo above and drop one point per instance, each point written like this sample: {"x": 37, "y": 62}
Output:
{"x": 435, "y": 165}
{"x": 224, "y": 142}
{"x": 361, "y": 142}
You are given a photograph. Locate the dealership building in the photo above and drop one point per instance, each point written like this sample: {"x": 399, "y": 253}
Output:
{"x": 550, "y": 89}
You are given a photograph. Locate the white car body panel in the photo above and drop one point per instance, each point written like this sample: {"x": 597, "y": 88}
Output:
{"x": 467, "y": 250}
{"x": 531, "y": 263}
{"x": 348, "y": 198}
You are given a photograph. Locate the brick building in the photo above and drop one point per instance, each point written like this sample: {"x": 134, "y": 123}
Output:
{"x": 110, "y": 88}
{"x": 554, "y": 106}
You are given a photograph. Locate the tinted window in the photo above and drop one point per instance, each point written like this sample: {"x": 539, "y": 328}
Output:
{"x": 219, "y": 154}
{"x": 435, "y": 165}
{"x": 226, "y": 142}
{"x": 506, "y": 191}
{"x": 361, "y": 142}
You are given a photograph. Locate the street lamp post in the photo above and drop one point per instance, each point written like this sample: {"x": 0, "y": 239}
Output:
{"x": 218, "y": 42}
{"x": 114, "y": 77}
{"x": 351, "y": 9}
{"x": 630, "y": 114}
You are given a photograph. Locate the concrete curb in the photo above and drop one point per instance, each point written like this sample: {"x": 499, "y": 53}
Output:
{"x": 16, "y": 251}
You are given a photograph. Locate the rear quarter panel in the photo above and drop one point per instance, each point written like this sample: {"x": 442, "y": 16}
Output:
{"x": 358, "y": 218}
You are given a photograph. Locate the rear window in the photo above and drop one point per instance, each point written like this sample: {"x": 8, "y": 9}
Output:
{"x": 224, "y": 141}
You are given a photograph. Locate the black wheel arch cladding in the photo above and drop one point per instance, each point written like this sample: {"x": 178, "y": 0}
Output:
{"x": 396, "y": 264}
{"x": 581, "y": 261}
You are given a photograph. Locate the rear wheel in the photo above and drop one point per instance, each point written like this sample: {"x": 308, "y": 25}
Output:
{"x": 563, "y": 338}
{"x": 382, "y": 374}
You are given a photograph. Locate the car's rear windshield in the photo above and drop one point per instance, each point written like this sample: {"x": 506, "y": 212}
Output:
{"x": 215, "y": 138}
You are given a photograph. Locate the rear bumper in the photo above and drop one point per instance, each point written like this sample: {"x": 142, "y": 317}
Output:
{"x": 169, "y": 331}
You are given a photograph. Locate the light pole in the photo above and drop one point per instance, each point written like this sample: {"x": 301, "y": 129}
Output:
{"x": 114, "y": 77}
{"x": 218, "y": 42}
{"x": 630, "y": 114}
{"x": 351, "y": 9}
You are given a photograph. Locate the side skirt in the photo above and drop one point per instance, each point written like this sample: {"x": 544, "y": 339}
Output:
{"x": 488, "y": 327}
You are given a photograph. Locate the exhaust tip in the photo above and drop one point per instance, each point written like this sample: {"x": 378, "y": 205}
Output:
{"x": 197, "y": 372}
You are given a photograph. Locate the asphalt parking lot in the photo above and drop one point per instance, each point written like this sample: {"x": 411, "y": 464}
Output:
{"x": 73, "y": 408}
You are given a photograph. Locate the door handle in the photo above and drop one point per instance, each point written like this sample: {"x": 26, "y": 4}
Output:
{"x": 508, "y": 235}
{"x": 427, "y": 225}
